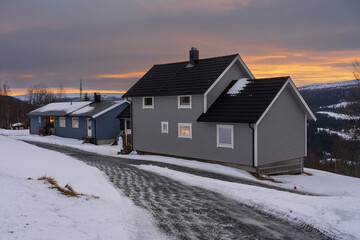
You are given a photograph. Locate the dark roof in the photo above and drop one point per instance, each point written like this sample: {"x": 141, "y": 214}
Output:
{"x": 177, "y": 79}
{"x": 95, "y": 107}
{"x": 246, "y": 106}
{"x": 125, "y": 113}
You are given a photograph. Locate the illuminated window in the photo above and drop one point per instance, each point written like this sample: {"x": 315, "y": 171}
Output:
{"x": 184, "y": 130}
{"x": 184, "y": 101}
{"x": 62, "y": 122}
{"x": 75, "y": 122}
{"x": 164, "y": 127}
{"x": 52, "y": 120}
{"x": 225, "y": 136}
{"x": 40, "y": 119}
{"x": 148, "y": 102}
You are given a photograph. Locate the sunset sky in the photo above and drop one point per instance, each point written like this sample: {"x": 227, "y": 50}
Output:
{"x": 110, "y": 44}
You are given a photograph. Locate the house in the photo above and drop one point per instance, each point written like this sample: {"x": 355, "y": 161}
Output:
{"x": 95, "y": 121}
{"x": 214, "y": 109}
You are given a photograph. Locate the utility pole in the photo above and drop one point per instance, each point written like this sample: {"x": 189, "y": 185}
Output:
{"x": 80, "y": 89}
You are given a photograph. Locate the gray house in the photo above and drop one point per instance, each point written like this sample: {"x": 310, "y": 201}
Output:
{"x": 93, "y": 121}
{"x": 214, "y": 109}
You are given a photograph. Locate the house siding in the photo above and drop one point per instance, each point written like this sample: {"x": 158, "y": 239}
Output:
{"x": 68, "y": 131}
{"x": 234, "y": 73}
{"x": 109, "y": 124}
{"x": 203, "y": 145}
{"x": 35, "y": 125}
{"x": 281, "y": 133}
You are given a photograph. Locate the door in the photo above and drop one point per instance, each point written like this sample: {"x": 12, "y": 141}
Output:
{"x": 89, "y": 128}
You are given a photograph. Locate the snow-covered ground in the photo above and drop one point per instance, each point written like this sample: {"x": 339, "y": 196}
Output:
{"x": 344, "y": 135}
{"x": 338, "y": 115}
{"x": 31, "y": 210}
{"x": 337, "y": 212}
{"x": 339, "y": 105}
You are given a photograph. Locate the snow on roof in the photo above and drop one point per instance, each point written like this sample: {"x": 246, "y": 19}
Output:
{"x": 85, "y": 109}
{"x": 238, "y": 86}
{"x": 63, "y": 107}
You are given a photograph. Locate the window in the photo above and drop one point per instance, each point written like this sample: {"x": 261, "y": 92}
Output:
{"x": 164, "y": 127}
{"x": 40, "y": 119}
{"x": 148, "y": 102}
{"x": 75, "y": 122}
{"x": 184, "y": 130}
{"x": 62, "y": 122}
{"x": 184, "y": 101}
{"x": 225, "y": 136}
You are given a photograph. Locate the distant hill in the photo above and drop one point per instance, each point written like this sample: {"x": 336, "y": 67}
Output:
{"x": 75, "y": 96}
{"x": 12, "y": 110}
{"x": 323, "y": 94}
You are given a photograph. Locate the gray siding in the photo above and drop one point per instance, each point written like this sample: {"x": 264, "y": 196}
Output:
{"x": 235, "y": 72}
{"x": 148, "y": 136}
{"x": 281, "y": 133}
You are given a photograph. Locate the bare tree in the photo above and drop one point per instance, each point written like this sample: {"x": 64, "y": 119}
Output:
{"x": 39, "y": 95}
{"x": 60, "y": 93}
{"x": 4, "y": 86}
{"x": 356, "y": 69}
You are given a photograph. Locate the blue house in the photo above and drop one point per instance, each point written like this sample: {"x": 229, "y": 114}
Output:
{"x": 95, "y": 121}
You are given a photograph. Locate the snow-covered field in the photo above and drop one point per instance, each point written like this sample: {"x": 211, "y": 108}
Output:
{"x": 344, "y": 135}
{"x": 337, "y": 212}
{"x": 338, "y": 115}
{"x": 31, "y": 210}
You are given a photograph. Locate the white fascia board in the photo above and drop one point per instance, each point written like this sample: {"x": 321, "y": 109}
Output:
{"x": 108, "y": 109}
{"x": 238, "y": 58}
{"x": 309, "y": 112}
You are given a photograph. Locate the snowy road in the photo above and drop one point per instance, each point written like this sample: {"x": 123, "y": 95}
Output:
{"x": 186, "y": 212}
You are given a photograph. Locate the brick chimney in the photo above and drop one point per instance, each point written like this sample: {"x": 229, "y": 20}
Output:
{"x": 194, "y": 56}
{"x": 97, "y": 97}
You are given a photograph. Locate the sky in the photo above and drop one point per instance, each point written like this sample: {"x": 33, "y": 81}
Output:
{"x": 110, "y": 44}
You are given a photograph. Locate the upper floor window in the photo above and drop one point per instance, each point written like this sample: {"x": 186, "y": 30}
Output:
{"x": 185, "y": 130}
{"x": 184, "y": 101}
{"x": 62, "y": 122}
{"x": 75, "y": 122}
{"x": 225, "y": 136}
{"x": 148, "y": 102}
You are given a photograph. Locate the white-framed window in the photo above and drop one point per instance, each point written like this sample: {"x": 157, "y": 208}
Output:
{"x": 225, "y": 136}
{"x": 184, "y": 130}
{"x": 75, "y": 122}
{"x": 40, "y": 119}
{"x": 148, "y": 102}
{"x": 164, "y": 127}
{"x": 184, "y": 101}
{"x": 62, "y": 122}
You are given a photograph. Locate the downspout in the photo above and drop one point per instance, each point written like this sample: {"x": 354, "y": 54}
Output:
{"x": 253, "y": 144}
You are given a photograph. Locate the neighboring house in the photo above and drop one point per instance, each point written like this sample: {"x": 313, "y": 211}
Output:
{"x": 214, "y": 109}
{"x": 95, "y": 121}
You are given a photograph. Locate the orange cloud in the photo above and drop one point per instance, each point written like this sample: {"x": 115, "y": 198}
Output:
{"x": 124, "y": 75}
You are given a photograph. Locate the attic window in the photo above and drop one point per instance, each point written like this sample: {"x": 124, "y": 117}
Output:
{"x": 148, "y": 102}
{"x": 184, "y": 101}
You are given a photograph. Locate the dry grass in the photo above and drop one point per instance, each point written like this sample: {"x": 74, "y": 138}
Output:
{"x": 309, "y": 174}
{"x": 262, "y": 178}
{"x": 67, "y": 190}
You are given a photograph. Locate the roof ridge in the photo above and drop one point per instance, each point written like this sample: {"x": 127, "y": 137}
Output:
{"x": 200, "y": 59}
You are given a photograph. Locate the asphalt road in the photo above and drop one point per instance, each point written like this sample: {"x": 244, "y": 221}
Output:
{"x": 186, "y": 212}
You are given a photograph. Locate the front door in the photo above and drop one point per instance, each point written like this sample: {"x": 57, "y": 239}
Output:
{"x": 89, "y": 128}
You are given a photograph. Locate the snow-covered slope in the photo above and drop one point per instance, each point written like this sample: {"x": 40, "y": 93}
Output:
{"x": 345, "y": 84}
{"x": 75, "y": 96}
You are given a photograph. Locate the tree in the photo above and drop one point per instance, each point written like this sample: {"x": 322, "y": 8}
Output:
{"x": 60, "y": 93}
{"x": 86, "y": 97}
{"x": 356, "y": 69}
{"x": 40, "y": 95}
{"x": 4, "y": 86}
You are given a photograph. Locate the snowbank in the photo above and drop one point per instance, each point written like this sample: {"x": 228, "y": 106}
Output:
{"x": 29, "y": 209}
